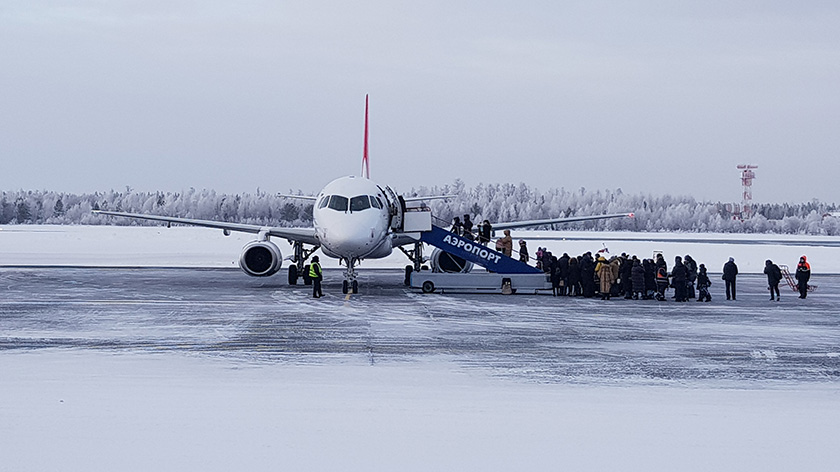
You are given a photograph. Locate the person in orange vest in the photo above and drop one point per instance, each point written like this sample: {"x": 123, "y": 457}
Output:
{"x": 316, "y": 275}
{"x": 803, "y": 275}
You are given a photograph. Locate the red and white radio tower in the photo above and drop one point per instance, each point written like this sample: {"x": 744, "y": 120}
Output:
{"x": 747, "y": 176}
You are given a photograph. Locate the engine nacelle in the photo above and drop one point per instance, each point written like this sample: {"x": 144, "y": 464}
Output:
{"x": 260, "y": 258}
{"x": 442, "y": 261}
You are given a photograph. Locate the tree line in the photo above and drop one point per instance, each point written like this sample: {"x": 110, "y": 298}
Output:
{"x": 493, "y": 202}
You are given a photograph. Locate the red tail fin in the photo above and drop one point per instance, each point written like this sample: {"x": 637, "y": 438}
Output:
{"x": 365, "y": 162}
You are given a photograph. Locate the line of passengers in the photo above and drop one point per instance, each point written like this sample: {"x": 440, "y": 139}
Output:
{"x": 628, "y": 276}
{"x": 483, "y": 234}
{"x": 624, "y": 276}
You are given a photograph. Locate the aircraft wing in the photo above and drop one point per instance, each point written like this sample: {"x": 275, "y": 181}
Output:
{"x": 304, "y": 235}
{"x": 308, "y": 198}
{"x": 432, "y": 197}
{"x": 530, "y": 223}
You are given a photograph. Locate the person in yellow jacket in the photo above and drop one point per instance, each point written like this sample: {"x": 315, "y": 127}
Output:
{"x": 605, "y": 275}
{"x": 316, "y": 275}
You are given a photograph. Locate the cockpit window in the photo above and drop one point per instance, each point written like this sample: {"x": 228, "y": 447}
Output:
{"x": 362, "y": 202}
{"x": 324, "y": 200}
{"x": 338, "y": 203}
{"x": 374, "y": 202}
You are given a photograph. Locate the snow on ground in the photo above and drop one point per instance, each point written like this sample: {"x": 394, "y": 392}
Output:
{"x": 170, "y": 404}
{"x": 82, "y": 411}
{"x": 201, "y": 247}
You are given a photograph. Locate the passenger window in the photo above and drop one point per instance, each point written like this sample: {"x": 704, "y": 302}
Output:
{"x": 338, "y": 203}
{"x": 362, "y": 202}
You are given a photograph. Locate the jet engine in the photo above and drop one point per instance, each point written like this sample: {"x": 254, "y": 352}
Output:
{"x": 442, "y": 261}
{"x": 260, "y": 258}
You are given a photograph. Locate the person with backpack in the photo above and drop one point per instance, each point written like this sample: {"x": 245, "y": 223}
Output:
{"x": 774, "y": 276}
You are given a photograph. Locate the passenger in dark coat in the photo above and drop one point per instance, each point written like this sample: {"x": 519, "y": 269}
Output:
{"x": 691, "y": 266}
{"x": 703, "y": 284}
{"x": 555, "y": 276}
{"x": 546, "y": 260}
{"x": 484, "y": 231}
{"x": 803, "y": 275}
{"x": 574, "y": 277}
{"x": 625, "y": 274}
{"x": 457, "y": 226}
{"x": 587, "y": 275}
{"x": 679, "y": 280}
{"x": 468, "y": 228}
{"x": 563, "y": 273}
{"x": 730, "y": 272}
{"x": 523, "y": 251}
{"x": 774, "y": 276}
{"x": 650, "y": 278}
{"x": 637, "y": 278}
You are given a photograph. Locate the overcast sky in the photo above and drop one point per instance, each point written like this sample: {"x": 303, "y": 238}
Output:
{"x": 657, "y": 96}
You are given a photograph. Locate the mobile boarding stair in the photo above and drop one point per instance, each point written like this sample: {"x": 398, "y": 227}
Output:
{"x": 792, "y": 283}
{"x": 503, "y": 274}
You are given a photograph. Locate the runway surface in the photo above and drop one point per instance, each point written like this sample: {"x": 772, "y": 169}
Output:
{"x": 538, "y": 338}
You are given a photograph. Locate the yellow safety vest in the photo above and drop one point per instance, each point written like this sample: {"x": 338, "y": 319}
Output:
{"x": 312, "y": 273}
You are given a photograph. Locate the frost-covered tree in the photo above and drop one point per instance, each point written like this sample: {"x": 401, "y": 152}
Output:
{"x": 494, "y": 202}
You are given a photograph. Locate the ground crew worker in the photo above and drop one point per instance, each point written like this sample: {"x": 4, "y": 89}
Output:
{"x": 803, "y": 275}
{"x": 316, "y": 275}
{"x": 661, "y": 282}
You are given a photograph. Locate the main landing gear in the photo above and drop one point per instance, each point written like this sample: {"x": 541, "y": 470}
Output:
{"x": 350, "y": 284}
{"x": 297, "y": 268}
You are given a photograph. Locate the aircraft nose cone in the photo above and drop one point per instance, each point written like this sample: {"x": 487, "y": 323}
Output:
{"x": 352, "y": 243}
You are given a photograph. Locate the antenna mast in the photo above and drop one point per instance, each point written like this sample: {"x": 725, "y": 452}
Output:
{"x": 747, "y": 176}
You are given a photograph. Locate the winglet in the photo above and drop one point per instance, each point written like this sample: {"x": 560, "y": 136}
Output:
{"x": 365, "y": 161}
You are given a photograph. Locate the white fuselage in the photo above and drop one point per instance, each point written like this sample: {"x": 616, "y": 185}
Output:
{"x": 351, "y": 219}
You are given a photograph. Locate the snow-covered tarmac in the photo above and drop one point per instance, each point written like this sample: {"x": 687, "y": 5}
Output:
{"x": 183, "y": 369}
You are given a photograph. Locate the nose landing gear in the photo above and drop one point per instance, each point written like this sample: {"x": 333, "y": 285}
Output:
{"x": 350, "y": 284}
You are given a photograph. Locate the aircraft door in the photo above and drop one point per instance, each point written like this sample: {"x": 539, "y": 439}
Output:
{"x": 396, "y": 208}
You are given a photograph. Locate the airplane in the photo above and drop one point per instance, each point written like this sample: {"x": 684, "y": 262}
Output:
{"x": 354, "y": 219}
